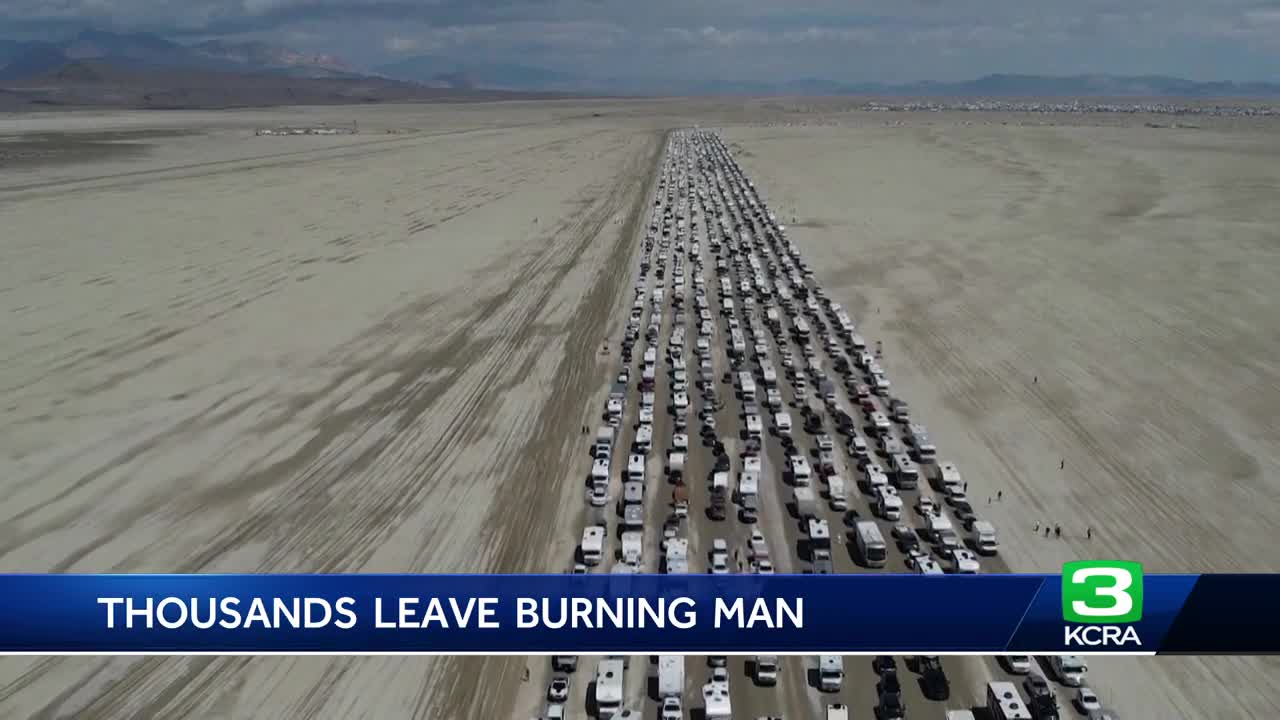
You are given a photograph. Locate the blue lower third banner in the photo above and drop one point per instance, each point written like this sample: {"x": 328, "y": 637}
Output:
{"x": 1084, "y": 611}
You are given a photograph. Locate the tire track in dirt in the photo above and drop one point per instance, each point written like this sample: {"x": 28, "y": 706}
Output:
{"x": 527, "y": 517}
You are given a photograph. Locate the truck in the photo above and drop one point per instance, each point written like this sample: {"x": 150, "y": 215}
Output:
{"x": 805, "y": 503}
{"x": 603, "y": 447}
{"x": 592, "y": 545}
{"x": 830, "y": 673}
{"x": 765, "y": 670}
{"x": 870, "y": 544}
{"x": 675, "y": 466}
{"x": 609, "y": 688}
{"x": 632, "y": 548}
{"x": 1004, "y": 702}
{"x": 985, "y": 539}
{"x": 836, "y": 493}
{"x": 670, "y": 676}
{"x": 1070, "y": 669}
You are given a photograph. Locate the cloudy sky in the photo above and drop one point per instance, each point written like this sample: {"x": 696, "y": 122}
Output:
{"x": 843, "y": 40}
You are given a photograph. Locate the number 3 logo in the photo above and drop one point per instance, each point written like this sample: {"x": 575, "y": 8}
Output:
{"x": 1120, "y": 603}
{"x": 1102, "y": 591}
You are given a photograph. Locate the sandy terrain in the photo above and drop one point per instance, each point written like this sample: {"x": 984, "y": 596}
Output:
{"x": 338, "y": 354}
{"x": 1104, "y": 296}
{"x": 369, "y": 353}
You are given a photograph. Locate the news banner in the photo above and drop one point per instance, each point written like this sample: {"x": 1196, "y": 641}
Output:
{"x": 1093, "y": 607}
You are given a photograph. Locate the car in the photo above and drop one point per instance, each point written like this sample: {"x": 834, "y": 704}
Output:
{"x": 1036, "y": 686}
{"x": 555, "y": 711}
{"x": 1087, "y": 700}
{"x": 1017, "y": 664}
{"x": 579, "y": 569}
{"x": 925, "y": 506}
{"x": 907, "y": 538}
{"x": 718, "y": 661}
{"x": 763, "y": 566}
{"x": 933, "y": 679}
{"x": 671, "y": 709}
{"x": 558, "y": 690}
{"x": 884, "y": 663}
{"x": 720, "y": 674}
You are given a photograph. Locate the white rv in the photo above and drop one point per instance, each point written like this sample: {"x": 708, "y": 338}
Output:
{"x": 635, "y": 468}
{"x": 800, "y": 471}
{"x": 609, "y": 688}
{"x": 836, "y": 493}
{"x": 593, "y": 545}
{"x": 632, "y": 547}
{"x": 670, "y": 676}
{"x": 1005, "y": 703}
{"x": 830, "y": 672}
{"x": 715, "y": 701}
{"x": 888, "y": 503}
{"x": 870, "y": 543}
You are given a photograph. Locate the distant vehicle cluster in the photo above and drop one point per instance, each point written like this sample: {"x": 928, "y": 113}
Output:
{"x": 324, "y": 130}
{"x": 1074, "y": 106}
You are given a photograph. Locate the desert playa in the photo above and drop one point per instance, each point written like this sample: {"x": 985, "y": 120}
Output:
{"x": 227, "y": 352}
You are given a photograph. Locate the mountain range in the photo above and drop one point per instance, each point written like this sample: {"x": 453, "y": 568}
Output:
{"x": 460, "y": 73}
{"x": 97, "y": 67}
{"x": 23, "y": 59}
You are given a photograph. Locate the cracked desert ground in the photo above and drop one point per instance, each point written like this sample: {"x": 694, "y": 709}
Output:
{"x": 374, "y": 353}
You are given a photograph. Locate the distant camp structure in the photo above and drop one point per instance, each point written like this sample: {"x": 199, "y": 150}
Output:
{"x": 317, "y": 130}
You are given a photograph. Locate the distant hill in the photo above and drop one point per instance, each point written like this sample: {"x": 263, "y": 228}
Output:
{"x": 18, "y": 59}
{"x": 98, "y": 68}
{"x": 103, "y": 83}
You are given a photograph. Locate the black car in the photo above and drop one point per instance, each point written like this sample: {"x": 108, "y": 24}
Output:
{"x": 934, "y": 680}
{"x": 884, "y": 663}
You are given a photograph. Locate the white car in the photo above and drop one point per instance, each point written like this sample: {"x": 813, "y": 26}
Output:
{"x": 671, "y": 709}
{"x": 762, "y": 566}
{"x": 1087, "y": 700}
{"x": 925, "y": 506}
{"x": 1018, "y": 664}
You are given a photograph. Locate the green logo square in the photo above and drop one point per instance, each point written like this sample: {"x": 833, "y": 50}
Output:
{"x": 1102, "y": 591}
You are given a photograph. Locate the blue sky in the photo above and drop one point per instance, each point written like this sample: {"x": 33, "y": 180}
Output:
{"x": 849, "y": 40}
